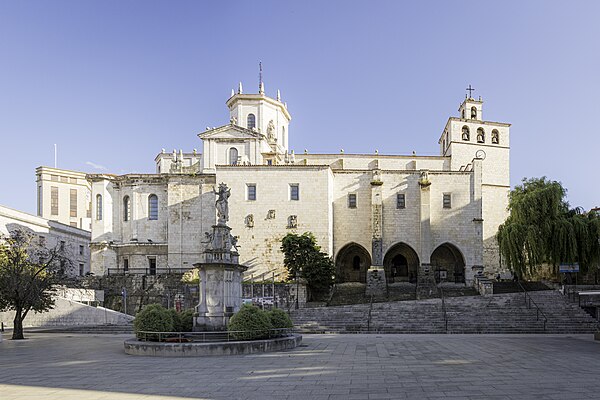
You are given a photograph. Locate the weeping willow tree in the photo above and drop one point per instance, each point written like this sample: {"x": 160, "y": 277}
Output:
{"x": 542, "y": 229}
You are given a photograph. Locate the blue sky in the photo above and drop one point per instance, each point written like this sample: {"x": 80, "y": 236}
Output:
{"x": 113, "y": 82}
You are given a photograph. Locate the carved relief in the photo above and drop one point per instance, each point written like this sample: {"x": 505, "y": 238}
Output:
{"x": 271, "y": 214}
{"x": 292, "y": 221}
{"x": 249, "y": 221}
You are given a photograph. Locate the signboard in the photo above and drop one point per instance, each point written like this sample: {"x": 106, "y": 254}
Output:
{"x": 568, "y": 268}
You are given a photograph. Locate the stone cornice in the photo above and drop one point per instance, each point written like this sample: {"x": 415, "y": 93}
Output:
{"x": 258, "y": 97}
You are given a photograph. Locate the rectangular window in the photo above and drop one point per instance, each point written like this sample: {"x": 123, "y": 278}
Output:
{"x": 73, "y": 202}
{"x": 352, "y": 200}
{"x": 269, "y": 162}
{"x": 40, "y": 207}
{"x": 294, "y": 191}
{"x": 64, "y": 179}
{"x": 152, "y": 265}
{"x": 81, "y": 269}
{"x": 251, "y": 191}
{"x": 80, "y": 249}
{"x": 447, "y": 200}
{"x": 72, "y": 180}
{"x": 125, "y": 264}
{"x": 54, "y": 200}
{"x": 400, "y": 200}
{"x": 54, "y": 178}
{"x": 73, "y": 224}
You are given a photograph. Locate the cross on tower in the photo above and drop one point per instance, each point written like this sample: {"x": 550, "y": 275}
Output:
{"x": 470, "y": 90}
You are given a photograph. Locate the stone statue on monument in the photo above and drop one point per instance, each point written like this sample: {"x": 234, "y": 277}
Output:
{"x": 222, "y": 203}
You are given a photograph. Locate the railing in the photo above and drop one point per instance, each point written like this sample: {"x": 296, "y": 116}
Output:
{"x": 146, "y": 271}
{"x": 212, "y": 336}
{"x": 369, "y": 315}
{"x": 529, "y": 301}
{"x": 444, "y": 309}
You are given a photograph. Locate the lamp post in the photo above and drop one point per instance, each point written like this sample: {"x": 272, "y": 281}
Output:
{"x": 297, "y": 291}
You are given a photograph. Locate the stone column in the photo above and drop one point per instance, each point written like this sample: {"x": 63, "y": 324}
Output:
{"x": 376, "y": 282}
{"x": 426, "y": 286}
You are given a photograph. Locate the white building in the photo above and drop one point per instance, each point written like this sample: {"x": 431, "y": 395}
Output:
{"x": 404, "y": 213}
{"x": 64, "y": 196}
{"x": 51, "y": 234}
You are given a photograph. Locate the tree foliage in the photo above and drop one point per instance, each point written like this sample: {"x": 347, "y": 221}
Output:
{"x": 28, "y": 274}
{"x": 153, "y": 318}
{"x": 249, "y": 323}
{"x": 543, "y": 229}
{"x": 304, "y": 258}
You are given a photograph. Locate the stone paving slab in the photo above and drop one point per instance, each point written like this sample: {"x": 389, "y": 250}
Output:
{"x": 325, "y": 367}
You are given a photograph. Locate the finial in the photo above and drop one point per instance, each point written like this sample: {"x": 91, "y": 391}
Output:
{"x": 162, "y": 151}
{"x": 414, "y": 153}
{"x": 261, "y": 86}
{"x": 341, "y": 151}
{"x": 305, "y": 151}
{"x": 278, "y": 95}
{"x": 240, "y": 91}
{"x": 232, "y": 93}
{"x": 285, "y": 105}
{"x": 479, "y": 98}
{"x": 195, "y": 151}
{"x": 181, "y": 154}
{"x": 174, "y": 154}
{"x": 376, "y": 151}
{"x": 208, "y": 128}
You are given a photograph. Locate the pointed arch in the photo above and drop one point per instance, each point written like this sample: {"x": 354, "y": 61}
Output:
{"x": 448, "y": 257}
{"x": 352, "y": 262}
{"x": 473, "y": 112}
{"x": 401, "y": 263}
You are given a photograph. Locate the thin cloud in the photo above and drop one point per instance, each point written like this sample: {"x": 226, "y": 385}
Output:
{"x": 96, "y": 166}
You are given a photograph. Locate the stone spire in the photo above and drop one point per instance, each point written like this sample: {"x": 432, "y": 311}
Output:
{"x": 232, "y": 93}
{"x": 240, "y": 91}
{"x": 278, "y": 95}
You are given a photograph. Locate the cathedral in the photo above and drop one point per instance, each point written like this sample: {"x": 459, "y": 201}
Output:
{"x": 399, "y": 216}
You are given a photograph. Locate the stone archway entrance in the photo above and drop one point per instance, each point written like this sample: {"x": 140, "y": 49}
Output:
{"x": 352, "y": 263}
{"x": 401, "y": 264}
{"x": 447, "y": 260}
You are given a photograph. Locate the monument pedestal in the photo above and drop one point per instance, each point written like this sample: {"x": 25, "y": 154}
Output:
{"x": 376, "y": 283}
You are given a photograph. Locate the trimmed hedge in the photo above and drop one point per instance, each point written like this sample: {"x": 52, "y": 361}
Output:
{"x": 153, "y": 318}
{"x": 280, "y": 319}
{"x": 251, "y": 319}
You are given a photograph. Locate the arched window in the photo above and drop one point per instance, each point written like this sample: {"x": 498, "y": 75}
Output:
{"x": 153, "y": 207}
{"x": 495, "y": 137}
{"x": 98, "y": 207}
{"x": 473, "y": 113}
{"x": 126, "y": 208}
{"x": 465, "y": 133}
{"x": 480, "y": 135}
{"x": 233, "y": 156}
{"x": 251, "y": 121}
{"x": 463, "y": 113}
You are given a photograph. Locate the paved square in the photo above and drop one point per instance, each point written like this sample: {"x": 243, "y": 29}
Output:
{"x": 72, "y": 366}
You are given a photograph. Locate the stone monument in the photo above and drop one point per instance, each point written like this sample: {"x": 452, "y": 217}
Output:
{"x": 219, "y": 271}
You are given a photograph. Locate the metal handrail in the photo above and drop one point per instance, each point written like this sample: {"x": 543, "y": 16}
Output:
{"x": 444, "y": 309}
{"x": 538, "y": 309}
{"x": 147, "y": 271}
{"x": 369, "y": 314}
{"x": 209, "y": 336}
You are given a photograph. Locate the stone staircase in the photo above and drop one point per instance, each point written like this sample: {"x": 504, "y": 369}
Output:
{"x": 502, "y": 313}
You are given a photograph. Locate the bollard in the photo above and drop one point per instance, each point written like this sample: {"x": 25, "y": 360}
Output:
{"x": 1, "y": 326}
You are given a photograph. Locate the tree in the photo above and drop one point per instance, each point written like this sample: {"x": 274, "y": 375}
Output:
{"x": 304, "y": 258}
{"x": 543, "y": 229}
{"x": 28, "y": 273}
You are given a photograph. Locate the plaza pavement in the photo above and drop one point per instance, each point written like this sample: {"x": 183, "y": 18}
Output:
{"x": 90, "y": 367}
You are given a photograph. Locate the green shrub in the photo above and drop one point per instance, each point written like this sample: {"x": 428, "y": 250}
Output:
{"x": 153, "y": 318}
{"x": 280, "y": 319}
{"x": 251, "y": 319}
{"x": 186, "y": 321}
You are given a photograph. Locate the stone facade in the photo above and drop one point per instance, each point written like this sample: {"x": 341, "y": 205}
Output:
{"x": 64, "y": 196}
{"x": 51, "y": 234}
{"x": 400, "y": 213}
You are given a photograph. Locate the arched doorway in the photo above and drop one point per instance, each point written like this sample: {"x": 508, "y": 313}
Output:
{"x": 352, "y": 263}
{"x": 401, "y": 264}
{"x": 448, "y": 261}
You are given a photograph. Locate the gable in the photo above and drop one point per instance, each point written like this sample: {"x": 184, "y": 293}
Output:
{"x": 229, "y": 132}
